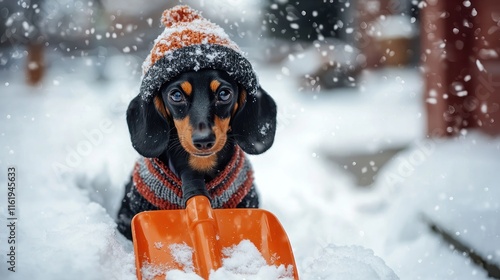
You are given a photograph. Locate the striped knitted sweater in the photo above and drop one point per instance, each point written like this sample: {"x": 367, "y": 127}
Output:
{"x": 161, "y": 188}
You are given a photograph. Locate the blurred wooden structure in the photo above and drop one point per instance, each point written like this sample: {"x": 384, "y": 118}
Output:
{"x": 459, "y": 56}
{"x": 382, "y": 32}
{"x": 35, "y": 63}
{"x": 460, "y": 43}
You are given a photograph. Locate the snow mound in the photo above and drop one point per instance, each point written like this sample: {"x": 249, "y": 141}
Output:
{"x": 348, "y": 262}
{"x": 449, "y": 182}
{"x": 242, "y": 261}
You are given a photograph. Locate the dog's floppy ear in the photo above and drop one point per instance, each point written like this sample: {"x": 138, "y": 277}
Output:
{"x": 254, "y": 124}
{"x": 149, "y": 132}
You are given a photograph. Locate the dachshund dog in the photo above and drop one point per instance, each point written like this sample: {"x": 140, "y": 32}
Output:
{"x": 192, "y": 136}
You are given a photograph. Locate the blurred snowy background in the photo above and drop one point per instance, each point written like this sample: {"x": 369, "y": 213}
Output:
{"x": 363, "y": 185}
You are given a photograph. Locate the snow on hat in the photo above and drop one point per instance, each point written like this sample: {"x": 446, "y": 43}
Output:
{"x": 191, "y": 42}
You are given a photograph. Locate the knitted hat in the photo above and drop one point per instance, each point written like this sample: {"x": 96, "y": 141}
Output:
{"x": 191, "y": 43}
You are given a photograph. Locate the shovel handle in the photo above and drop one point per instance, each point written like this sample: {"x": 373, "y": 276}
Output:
{"x": 193, "y": 187}
{"x": 203, "y": 228}
{"x": 204, "y": 233}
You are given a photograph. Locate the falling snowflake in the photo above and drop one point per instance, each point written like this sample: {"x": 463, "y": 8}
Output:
{"x": 480, "y": 65}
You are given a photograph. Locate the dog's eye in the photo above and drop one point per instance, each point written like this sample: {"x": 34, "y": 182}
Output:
{"x": 224, "y": 95}
{"x": 176, "y": 96}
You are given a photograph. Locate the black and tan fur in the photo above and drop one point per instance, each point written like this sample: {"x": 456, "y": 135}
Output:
{"x": 193, "y": 124}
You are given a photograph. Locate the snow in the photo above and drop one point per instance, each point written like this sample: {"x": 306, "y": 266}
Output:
{"x": 149, "y": 272}
{"x": 452, "y": 193}
{"x": 348, "y": 262}
{"x": 241, "y": 261}
{"x": 395, "y": 26}
{"x": 183, "y": 255}
{"x": 69, "y": 142}
{"x": 244, "y": 261}
{"x": 326, "y": 52}
{"x": 479, "y": 65}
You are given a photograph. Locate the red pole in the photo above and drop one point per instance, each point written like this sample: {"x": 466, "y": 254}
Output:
{"x": 462, "y": 86}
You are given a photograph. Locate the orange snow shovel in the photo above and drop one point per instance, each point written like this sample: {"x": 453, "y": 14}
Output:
{"x": 206, "y": 231}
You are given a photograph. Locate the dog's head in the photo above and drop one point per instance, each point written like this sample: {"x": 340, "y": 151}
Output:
{"x": 206, "y": 108}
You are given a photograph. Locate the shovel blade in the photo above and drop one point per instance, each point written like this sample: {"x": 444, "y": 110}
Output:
{"x": 155, "y": 232}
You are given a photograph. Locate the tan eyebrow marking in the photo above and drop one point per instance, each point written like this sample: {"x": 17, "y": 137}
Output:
{"x": 214, "y": 85}
{"x": 158, "y": 102}
{"x": 187, "y": 87}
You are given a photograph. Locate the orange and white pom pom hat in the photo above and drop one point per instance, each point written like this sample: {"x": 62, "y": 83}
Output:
{"x": 191, "y": 43}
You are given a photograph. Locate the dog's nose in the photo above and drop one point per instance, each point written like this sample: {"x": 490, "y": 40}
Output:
{"x": 203, "y": 141}
{"x": 203, "y": 137}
